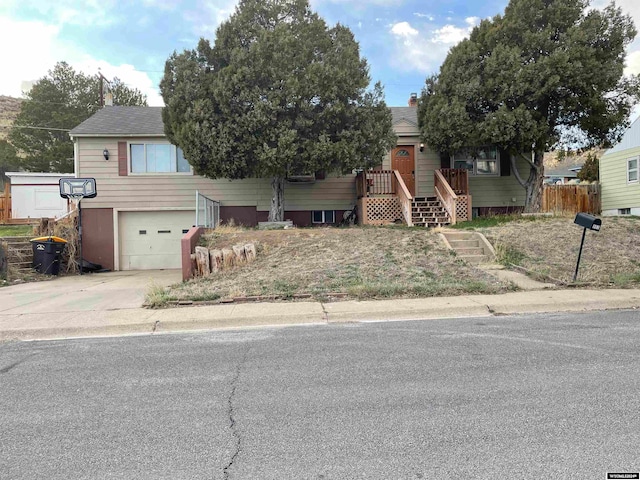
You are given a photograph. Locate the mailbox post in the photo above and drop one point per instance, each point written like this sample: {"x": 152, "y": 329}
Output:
{"x": 587, "y": 222}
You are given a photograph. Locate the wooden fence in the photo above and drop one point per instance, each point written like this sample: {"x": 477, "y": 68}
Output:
{"x": 5, "y": 205}
{"x": 570, "y": 199}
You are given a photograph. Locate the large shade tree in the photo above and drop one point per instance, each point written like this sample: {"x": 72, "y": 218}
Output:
{"x": 544, "y": 74}
{"x": 55, "y": 104}
{"x": 278, "y": 94}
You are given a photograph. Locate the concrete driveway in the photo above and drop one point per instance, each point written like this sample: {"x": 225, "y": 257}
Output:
{"x": 98, "y": 292}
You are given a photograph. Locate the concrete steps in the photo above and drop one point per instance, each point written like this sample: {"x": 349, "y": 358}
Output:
{"x": 472, "y": 247}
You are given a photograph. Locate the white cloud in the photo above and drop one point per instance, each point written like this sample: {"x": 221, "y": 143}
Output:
{"x": 431, "y": 18}
{"x": 449, "y": 34}
{"x": 425, "y": 50}
{"x": 403, "y": 29}
{"x": 94, "y": 13}
{"x": 208, "y": 15}
{"x": 37, "y": 48}
{"x": 633, "y": 63}
{"x": 472, "y": 21}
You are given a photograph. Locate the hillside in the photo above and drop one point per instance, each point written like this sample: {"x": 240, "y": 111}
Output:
{"x": 9, "y": 109}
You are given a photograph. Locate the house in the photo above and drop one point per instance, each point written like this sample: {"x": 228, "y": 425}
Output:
{"x": 562, "y": 175}
{"x": 147, "y": 190}
{"x": 36, "y": 195}
{"x": 619, "y": 168}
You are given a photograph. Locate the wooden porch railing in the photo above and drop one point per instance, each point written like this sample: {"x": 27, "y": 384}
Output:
{"x": 384, "y": 183}
{"x": 445, "y": 194}
{"x": 458, "y": 179}
{"x": 375, "y": 182}
{"x": 404, "y": 197}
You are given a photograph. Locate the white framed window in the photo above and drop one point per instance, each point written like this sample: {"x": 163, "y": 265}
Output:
{"x": 632, "y": 170}
{"x": 157, "y": 158}
{"x": 482, "y": 161}
{"x": 323, "y": 216}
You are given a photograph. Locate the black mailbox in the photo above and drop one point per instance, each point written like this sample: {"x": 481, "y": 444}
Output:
{"x": 588, "y": 221}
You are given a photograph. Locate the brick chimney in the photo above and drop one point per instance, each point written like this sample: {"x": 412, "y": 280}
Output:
{"x": 413, "y": 100}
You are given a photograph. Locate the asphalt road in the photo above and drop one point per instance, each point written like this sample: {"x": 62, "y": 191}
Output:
{"x": 526, "y": 397}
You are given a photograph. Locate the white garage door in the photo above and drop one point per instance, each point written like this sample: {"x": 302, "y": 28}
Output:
{"x": 151, "y": 240}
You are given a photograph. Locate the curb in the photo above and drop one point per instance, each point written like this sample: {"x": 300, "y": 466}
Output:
{"x": 243, "y": 315}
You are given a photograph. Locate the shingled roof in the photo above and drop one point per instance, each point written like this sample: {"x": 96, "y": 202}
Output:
{"x": 147, "y": 121}
{"x": 409, "y": 114}
{"x": 122, "y": 122}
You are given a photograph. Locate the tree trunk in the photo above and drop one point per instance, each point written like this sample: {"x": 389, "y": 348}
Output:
{"x": 276, "y": 213}
{"x": 533, "y": 184}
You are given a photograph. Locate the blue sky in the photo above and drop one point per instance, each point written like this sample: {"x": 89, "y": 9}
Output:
{"x": 403, "y": 40}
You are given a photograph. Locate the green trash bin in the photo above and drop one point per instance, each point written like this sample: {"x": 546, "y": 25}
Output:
{"x": 47, "y": 253}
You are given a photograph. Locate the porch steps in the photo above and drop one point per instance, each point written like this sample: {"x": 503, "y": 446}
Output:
{"x": 469, "y": 246}
{"x": 19, "y": 252}
{"x": 428, "y": 212}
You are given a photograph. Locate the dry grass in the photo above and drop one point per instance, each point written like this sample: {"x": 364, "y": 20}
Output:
{"x": 362, "y": 262}
{"x": 549, "y": 247}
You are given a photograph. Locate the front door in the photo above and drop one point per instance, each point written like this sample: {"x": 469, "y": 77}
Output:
{"x": 402, "y": 159}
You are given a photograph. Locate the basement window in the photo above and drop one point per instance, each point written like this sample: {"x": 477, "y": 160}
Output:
{"x": 323, "y": 216}
{"x": 624, "y": 211}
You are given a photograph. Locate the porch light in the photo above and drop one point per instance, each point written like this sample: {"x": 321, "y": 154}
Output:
{"x": 105, "y": 153}
{"x": 422, "y": 147}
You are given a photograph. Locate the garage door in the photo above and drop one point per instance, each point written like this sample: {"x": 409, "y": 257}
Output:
{"x": 151, "y": 240}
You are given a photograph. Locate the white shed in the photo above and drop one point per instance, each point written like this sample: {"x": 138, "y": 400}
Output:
{"x": 37, "y": 195}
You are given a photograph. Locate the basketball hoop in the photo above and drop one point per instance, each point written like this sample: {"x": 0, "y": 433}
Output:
{"x": 75, "y": 189}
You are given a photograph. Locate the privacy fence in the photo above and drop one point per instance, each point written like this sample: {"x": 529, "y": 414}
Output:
{"x": 5, "y": 205}
{"x": 571, "y": 199}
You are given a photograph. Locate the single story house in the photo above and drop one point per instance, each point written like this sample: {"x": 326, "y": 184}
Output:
{"x": 619, "y": 172}
{"x": 36, "y": 195}
{"x": 147, "y": 190}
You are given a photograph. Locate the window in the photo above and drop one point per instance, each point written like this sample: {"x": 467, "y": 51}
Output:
{"x": 632, "y": 170}
{"x": 624, "y": 211}
{"x": 482, "y": 161}
{"x": 157, "y": 158}
{"x": 323, "y": 216}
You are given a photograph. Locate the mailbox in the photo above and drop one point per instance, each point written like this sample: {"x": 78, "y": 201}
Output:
{"x": 588, "y": 221}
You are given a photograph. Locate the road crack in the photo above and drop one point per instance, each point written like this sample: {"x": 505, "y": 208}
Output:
{"x": 231, "y": 413}
{"x": 325, "y": 314}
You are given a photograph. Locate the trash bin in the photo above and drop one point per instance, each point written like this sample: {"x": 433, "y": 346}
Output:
{"x": 47, "y": 253}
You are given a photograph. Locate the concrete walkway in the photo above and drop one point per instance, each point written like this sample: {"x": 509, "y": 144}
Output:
{"x": 100, "y": 316}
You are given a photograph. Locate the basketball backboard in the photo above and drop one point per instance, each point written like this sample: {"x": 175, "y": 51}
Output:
{"x": 78, "y": 188}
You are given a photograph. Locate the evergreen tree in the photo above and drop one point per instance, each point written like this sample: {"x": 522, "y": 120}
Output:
{"x": 57, "y": 103}
{"x": 8, "y": 161}
{"x": 546, "y": 73}
{"x": 278, "y": 94}
{"x": 590, "y": 171}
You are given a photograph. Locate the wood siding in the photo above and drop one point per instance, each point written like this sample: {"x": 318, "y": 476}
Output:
{"x": 616, "y": 192}
{"x": 178, "y": 190}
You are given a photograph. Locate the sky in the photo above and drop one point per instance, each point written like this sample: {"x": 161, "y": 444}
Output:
{"x": 404, "y": 41}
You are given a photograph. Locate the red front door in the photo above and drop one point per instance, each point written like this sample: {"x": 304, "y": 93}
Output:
{"x": 402, "y": 159}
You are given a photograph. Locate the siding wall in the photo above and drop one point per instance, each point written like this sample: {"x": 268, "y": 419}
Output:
{"x": 333, "y": 193}
{"x": 178, "y": 190}
{"x": 616, "y": 192}
{"x": 499, "y": 191}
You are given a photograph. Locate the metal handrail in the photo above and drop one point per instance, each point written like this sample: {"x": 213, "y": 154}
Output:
{"x": 210, "y": 209}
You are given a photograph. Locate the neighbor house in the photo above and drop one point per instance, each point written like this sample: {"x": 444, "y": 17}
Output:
{"x": 619, "y": 168}
{"x": 147, "y": 191}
